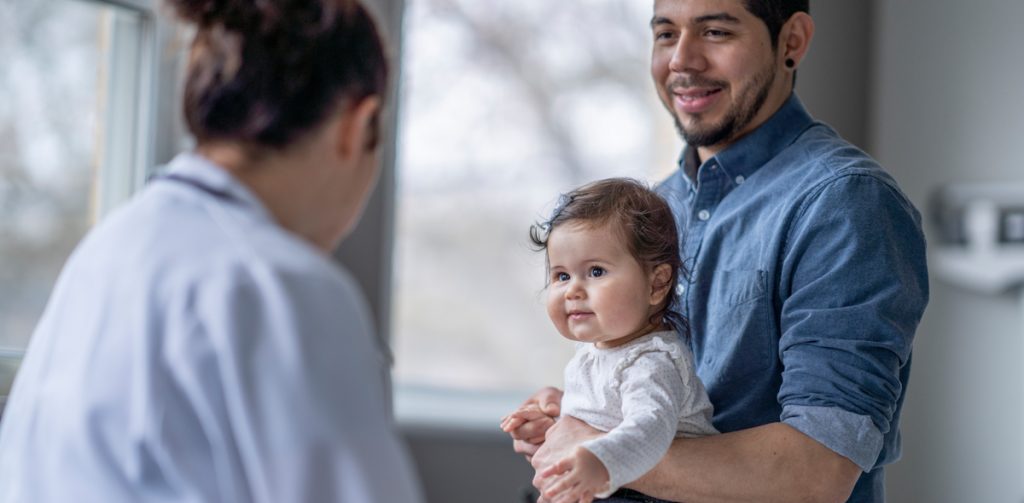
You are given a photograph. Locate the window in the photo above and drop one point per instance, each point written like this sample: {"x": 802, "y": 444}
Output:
{"x": 504, "y": 105}
{"x": 70, "y": 131}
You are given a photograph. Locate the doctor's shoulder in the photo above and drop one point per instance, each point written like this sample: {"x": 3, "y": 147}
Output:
{"x": 287, "y": 270}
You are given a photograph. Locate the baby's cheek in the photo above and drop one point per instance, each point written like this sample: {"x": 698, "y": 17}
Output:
{"x": 628, "y": 315}
{"x": 557, "y": 316}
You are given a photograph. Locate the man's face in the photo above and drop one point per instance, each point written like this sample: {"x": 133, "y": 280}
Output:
{"x": 714, "y": 69}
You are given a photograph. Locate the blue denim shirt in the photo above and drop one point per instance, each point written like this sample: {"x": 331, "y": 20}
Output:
{"x": 806, "y": 281}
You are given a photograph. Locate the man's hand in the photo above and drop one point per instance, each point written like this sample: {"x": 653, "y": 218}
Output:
{"x": 530, "y": 422}
{"x": 561, "y": 442}
{"x": 575, "y": 479}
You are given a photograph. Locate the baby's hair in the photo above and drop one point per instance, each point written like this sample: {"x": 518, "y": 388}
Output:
{"x": 640, "y": 217}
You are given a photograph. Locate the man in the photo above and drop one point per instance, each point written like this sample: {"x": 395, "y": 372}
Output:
{"x": 807, "y": 274}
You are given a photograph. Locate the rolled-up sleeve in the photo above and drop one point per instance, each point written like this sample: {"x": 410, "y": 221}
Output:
{"x": 854, "y": 287}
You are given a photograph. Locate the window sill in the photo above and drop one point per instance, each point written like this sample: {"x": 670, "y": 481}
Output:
{"x": 422, "y": 407}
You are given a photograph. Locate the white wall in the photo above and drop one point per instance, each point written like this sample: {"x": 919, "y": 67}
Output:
{"x": 833, "y": 80}
{"x": 948, "y": 107}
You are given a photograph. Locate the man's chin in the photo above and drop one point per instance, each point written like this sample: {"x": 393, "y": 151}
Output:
{"x": 703, "y": 135}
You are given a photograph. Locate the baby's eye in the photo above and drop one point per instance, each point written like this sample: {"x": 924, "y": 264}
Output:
{"x": 562, "y": 276}
{"x": 597, "y": 272}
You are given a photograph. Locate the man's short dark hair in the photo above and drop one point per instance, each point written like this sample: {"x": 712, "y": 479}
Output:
{"x": 775, "y": 13}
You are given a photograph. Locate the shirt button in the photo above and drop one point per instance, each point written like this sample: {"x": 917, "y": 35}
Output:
{"x": 680, "y": 289}
{"x": 740, "y": 180}
{"x": 704, "y": 215}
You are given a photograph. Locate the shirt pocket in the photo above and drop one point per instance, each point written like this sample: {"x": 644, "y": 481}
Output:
{"x": 738, "y": 341}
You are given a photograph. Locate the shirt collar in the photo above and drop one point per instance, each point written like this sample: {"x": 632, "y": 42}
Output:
{"x": 757, "y": 148}
{"x": 201, "y": 171}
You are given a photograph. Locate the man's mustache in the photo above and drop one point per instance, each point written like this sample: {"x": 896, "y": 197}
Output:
{"x": 694, "y": 81}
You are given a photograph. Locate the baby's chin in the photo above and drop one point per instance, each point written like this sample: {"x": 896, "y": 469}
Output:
{"x": 590, "y": 338}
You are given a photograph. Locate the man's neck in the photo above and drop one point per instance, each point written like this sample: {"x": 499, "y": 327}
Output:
{"x": 705, "y": 153}
{"x": 768, "y": 109}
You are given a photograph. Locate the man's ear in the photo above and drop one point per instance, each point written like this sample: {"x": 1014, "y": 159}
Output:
{"x": 795, "y": 38}
{"x": 661, "y": 282}
{"x": 359, "y": 127}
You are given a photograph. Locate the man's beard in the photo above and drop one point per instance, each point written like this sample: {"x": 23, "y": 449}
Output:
{"x": 735, "y": 120}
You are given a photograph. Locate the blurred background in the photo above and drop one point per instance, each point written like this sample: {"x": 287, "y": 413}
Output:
{"x": 498, "y": 108}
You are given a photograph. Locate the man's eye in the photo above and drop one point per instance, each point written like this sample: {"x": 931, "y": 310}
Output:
{"x": 663, "y": 35}
{"x": 597, "y": 272}
{"x": 562, "y": 276}
{"x": 716, "y": 33}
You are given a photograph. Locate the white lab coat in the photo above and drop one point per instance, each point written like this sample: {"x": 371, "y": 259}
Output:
{"x": 194, "y": 351}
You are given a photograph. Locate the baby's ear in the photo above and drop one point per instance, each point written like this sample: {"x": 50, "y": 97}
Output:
{"x": 661, "y": 282}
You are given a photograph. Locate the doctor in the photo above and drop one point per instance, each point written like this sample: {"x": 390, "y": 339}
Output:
{"x": 200, "y": 345}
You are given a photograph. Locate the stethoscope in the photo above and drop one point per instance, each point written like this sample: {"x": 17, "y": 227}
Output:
{"x": 223, "y": 195}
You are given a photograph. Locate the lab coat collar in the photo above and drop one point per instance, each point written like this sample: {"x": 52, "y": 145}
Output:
{"x": 199, "y": 170}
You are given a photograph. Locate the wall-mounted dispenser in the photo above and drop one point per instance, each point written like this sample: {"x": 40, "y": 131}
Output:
{"x": 980, "y": 236}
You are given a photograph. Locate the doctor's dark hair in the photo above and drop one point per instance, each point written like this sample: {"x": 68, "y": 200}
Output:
{"x": 640, "y": 217}
{"x": 264, "y": 72}
{"x": 775, "y": 13}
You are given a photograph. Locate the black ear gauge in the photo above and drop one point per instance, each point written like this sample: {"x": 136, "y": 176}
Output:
{"x": 790, "y": 63}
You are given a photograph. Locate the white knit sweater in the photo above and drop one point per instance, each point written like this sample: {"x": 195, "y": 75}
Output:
{"x": 643, "y": 394}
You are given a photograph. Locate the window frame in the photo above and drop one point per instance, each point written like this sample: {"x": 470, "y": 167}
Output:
{"x": 368, "y": 254}
{"x": 144, "y": 65}
{"x": 138, "y": 130}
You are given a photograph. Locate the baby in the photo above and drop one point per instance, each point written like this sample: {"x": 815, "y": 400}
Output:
{"x": 613, "y": 260}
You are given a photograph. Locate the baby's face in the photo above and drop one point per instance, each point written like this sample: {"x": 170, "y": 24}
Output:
{"x": 598, "y": 292}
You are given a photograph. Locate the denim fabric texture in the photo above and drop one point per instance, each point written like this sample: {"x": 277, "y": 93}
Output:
{"x": 806, "y": 279}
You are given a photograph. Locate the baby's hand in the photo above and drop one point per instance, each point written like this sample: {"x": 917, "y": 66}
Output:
{"x": 523, "y": 415}
{"x": 575, "y": 479}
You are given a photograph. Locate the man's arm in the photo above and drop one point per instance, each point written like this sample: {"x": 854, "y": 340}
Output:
{"x": 768, "y": 463}
{"x": 773, "y": 462}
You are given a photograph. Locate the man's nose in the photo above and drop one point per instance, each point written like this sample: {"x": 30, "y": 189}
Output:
{"x": 688, "y": 56}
